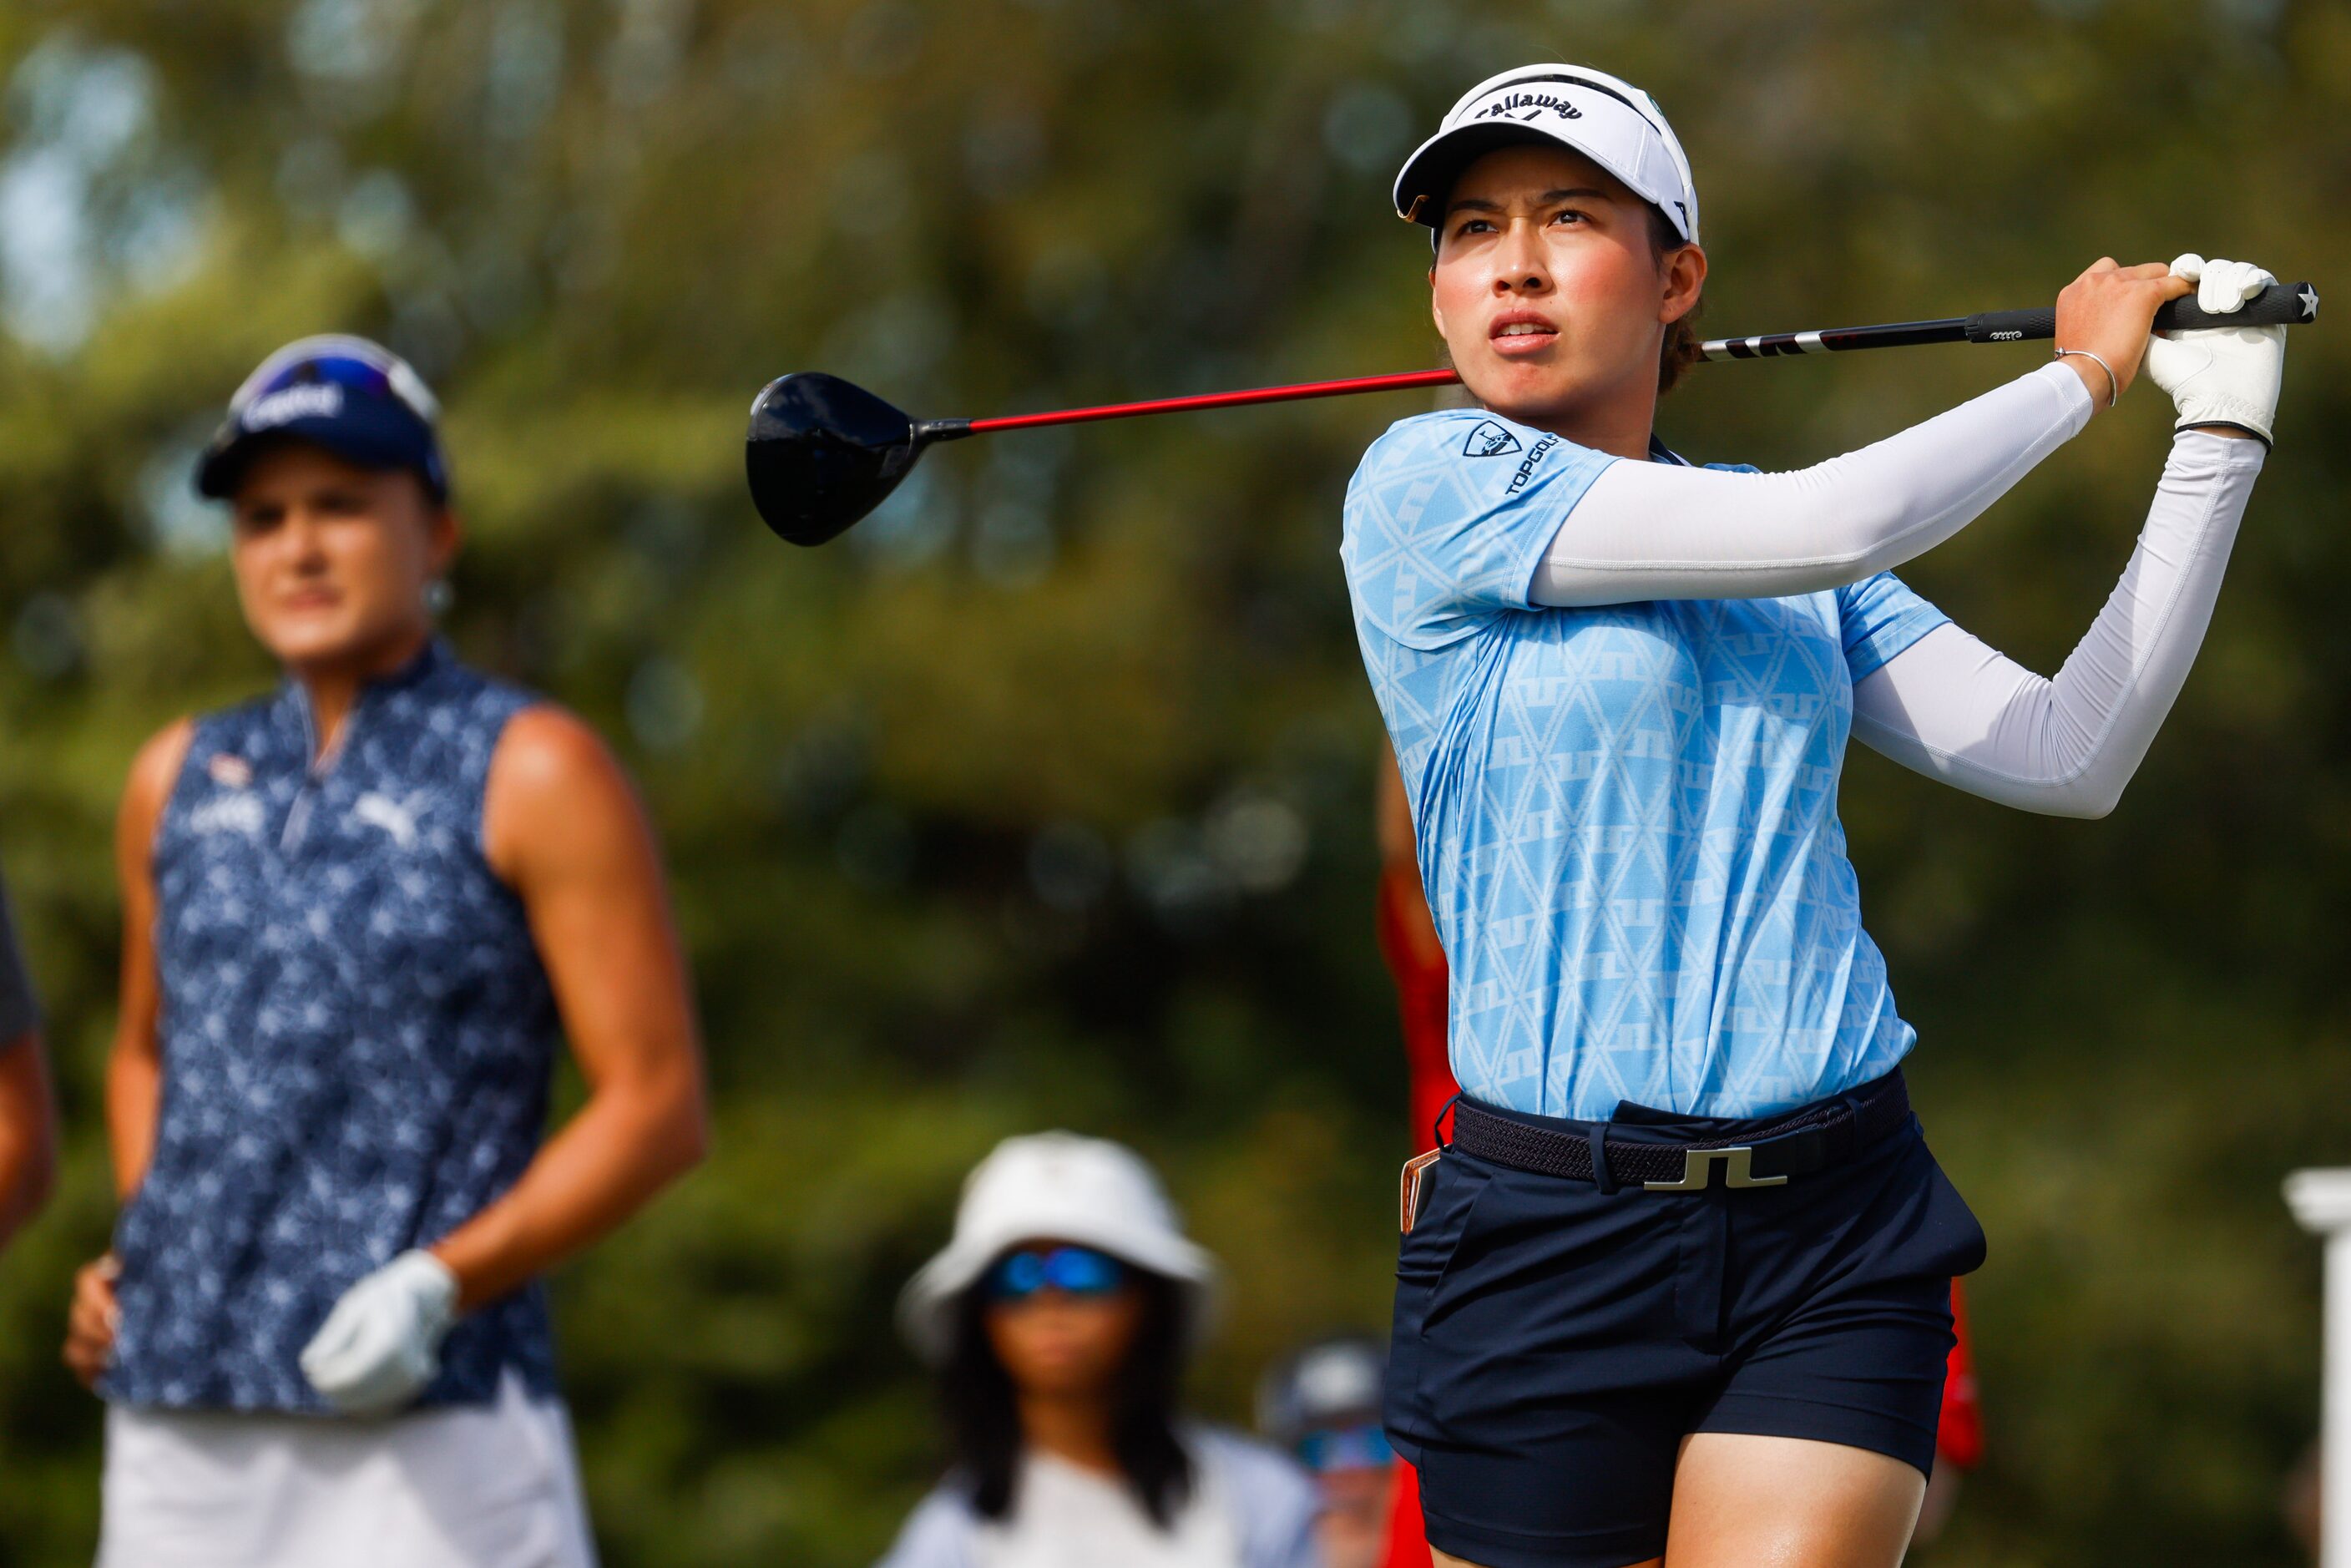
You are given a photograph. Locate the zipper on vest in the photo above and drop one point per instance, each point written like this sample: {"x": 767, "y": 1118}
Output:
{"x": 316, "y": 770}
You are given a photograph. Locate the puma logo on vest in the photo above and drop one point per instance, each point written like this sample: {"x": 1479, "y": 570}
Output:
{"x": 383, "y": 811}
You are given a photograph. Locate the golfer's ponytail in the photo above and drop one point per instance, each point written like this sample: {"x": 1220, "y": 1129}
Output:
{"x": 1681, "y": 350}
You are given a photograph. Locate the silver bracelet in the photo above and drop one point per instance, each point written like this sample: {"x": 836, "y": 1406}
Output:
{"x": 2114, "y": 385}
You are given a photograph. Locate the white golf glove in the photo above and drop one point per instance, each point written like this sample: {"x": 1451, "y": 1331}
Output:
{"x": 2221, "y": 375}
{"x": 382, "y": 1342}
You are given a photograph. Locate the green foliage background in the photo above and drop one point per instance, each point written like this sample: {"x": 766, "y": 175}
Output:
{"x": 1044, "y": 798}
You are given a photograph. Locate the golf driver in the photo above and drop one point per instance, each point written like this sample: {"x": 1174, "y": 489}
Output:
{"x": 823, "y": 451}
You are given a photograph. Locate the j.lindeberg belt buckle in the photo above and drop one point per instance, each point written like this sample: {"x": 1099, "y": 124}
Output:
{"x": 1738, "y": 1170}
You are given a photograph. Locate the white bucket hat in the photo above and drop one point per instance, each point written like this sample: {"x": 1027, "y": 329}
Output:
{"x": 1605, "y": 118}
{"x": 1062, "y": 1188}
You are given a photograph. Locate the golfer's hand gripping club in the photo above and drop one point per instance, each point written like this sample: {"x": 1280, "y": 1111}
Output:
{"x": 2103, "y": 320}
{"x": 2225, "y": 375}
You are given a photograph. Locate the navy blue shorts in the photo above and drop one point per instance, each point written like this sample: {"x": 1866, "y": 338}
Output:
{"x": 1555, "y": 1343}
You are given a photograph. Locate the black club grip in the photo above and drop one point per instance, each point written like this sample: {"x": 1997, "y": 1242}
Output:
{"x": 2279, "y": 305}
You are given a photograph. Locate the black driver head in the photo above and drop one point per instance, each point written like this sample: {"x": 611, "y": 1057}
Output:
{"x": 822, "y": 452}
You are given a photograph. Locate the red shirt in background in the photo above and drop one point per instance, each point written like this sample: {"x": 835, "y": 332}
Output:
{"x": 1409, "y": 943}
{"x": 1416, "y": 963}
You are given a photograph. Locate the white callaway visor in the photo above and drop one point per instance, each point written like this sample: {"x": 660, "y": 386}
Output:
{"x": 1609, "y": 121}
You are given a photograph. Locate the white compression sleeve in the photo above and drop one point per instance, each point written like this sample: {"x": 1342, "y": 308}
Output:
{"x": 1659, "y": 530}
{"x": 1954, "y": 709}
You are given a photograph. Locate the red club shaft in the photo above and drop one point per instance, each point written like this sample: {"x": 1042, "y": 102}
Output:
{"x": 1219, "y": 400}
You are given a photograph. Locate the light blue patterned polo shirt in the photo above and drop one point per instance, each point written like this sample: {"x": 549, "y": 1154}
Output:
{"x": 1626, "y": 817}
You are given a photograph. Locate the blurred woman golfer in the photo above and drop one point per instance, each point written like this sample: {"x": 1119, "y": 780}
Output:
{"x": 1679, "y": 1287}
{"x": 355, "y": 912}
{"x": 1060, "y": 1317}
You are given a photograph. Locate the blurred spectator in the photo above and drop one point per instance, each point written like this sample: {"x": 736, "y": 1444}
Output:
{"x": 1060, "y": 1317}
{"x": 1415, "y": 961}
{"x": 360, "y": 915}
{"x": 27, "y": 1112}
{"x": 1323, "y": 1404}
{"x": 1959, "y": 1440}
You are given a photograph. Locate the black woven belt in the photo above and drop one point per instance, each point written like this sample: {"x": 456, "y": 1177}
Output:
{"x": 1808, "y": 1141}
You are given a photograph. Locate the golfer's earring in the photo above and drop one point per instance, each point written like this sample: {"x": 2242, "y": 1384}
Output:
{"x": 438, "y": 597}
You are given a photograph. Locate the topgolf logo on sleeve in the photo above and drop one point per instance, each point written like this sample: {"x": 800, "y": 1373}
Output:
{"x": 1527, "y": 463}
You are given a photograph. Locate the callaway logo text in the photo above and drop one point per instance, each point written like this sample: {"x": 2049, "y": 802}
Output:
{"x": 1533, "y": 102}
{"x": 321, "y": 400}
{"x": 239, "y": 813}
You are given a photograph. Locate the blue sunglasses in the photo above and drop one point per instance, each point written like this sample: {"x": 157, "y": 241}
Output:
{"x": 354, "y": 367}
{"x": 1073, "y": 1271}
{"x": 1346, "y": 1449}
{"x": 341, "y": 369}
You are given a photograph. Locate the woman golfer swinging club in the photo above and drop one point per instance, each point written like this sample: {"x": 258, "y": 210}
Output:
{"x": 1679, "y": 1289}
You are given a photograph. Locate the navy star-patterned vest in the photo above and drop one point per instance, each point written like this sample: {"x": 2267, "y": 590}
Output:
{"x": 357, "y": 1039}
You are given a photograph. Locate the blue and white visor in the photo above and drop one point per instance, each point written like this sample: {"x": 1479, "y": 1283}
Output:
{"x": 357, "y": 399}
{"x": 1606, "y": 118}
